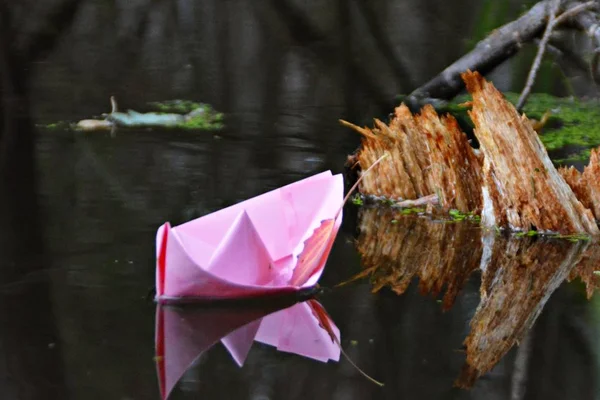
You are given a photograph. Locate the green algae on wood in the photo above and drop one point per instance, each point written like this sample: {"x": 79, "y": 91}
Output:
{"x": 176, "y": 106}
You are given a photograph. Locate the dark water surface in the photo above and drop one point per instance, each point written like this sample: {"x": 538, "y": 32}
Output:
{"x": 84, "y": 319}
{"x": 77, "y": 255}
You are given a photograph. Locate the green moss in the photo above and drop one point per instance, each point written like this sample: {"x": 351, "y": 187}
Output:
{"x": 576, "y": 237}
{"x": 412, "y": 210}
{"x": 60, "y": 125}
{"x": 572, "y": 122}
{"x": 457, "y": 215}
{"x": 208, "y": 121}
{"x": 175, "y": 106}
{"x": 528, "y": 233}
{"x": 357, "y": 200}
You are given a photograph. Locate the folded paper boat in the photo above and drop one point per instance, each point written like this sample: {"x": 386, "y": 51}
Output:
{"x": 252, "y": 248}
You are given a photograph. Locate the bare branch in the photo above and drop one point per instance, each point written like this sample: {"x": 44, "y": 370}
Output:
{"x": 540, "y": 54}
{"x": 503, "y": 43}
{"x": 553, "y": 21}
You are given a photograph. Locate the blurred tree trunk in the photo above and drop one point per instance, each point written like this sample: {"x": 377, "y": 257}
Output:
{"x": 30, "y": 354}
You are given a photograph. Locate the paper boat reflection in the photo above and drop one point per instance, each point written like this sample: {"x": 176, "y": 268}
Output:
{"x": 252, "y": 248}
{"x": 183, "y": 334}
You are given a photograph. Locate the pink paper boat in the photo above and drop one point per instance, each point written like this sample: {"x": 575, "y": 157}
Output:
{"x": 183, "y": 335}
{"x": 275, "y": 243}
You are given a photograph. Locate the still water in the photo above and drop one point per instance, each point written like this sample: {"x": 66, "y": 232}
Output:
{"x": 81, "y": 324}
{"x": 439, "y": 303}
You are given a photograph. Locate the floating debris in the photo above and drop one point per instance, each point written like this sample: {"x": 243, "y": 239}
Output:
{"x": 181, "y": 114}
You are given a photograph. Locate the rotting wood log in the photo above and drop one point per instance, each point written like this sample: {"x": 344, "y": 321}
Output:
{"x": 511, "y": 182}
{"x": 524, "y": 189}
{"x": 429, "y": 156}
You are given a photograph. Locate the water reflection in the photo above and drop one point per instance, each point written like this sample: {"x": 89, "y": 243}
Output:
{"x": 183, "y": 334}
{"x": 518, "y": 274}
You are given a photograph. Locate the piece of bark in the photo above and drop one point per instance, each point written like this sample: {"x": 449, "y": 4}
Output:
{"x": 524, "y": 189}
{"x": 586, "y": 186}
{"x": 429, "y": 155}
{"x": 591, "y": 176}
{"x": 415, "y": 155}
{"x": 390, "y": 177}
{"x": 454, "y": 166}
{"x": 576, "y": 181}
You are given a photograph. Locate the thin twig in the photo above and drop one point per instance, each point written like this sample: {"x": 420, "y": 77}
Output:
{"x": 540, "y": 54}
